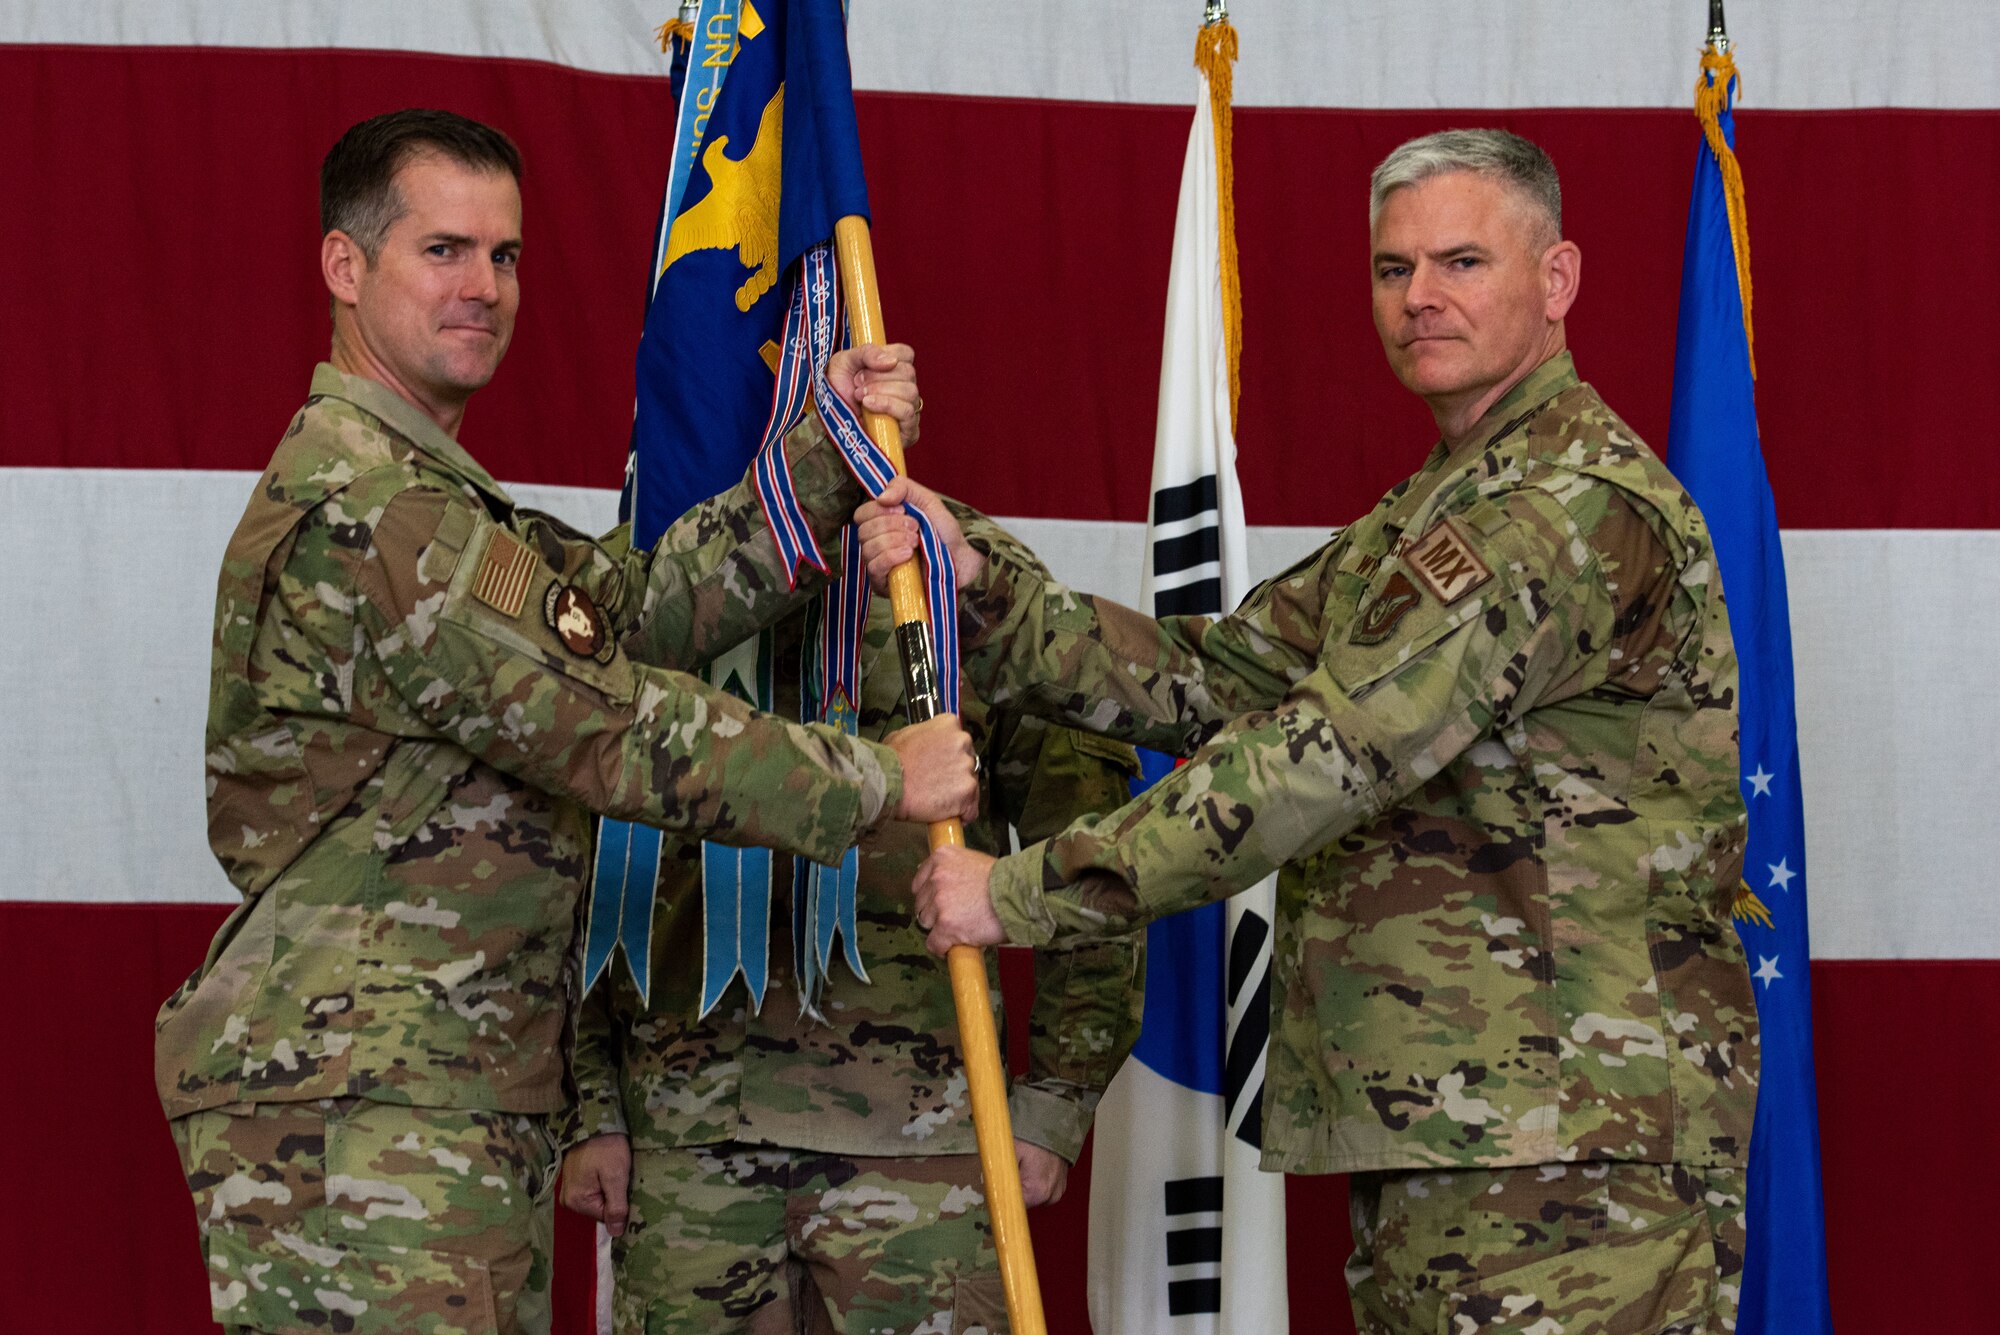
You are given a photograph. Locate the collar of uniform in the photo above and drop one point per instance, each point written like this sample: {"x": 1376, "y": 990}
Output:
{"x": 402, "y": 417}
{"x": 1534, "y": 389}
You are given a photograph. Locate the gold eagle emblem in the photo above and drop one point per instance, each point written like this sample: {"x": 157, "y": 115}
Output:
{"x": 741, "y": 207}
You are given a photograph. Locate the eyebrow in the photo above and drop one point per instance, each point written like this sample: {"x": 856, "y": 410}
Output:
{"x": 1448, "y": 253}
{"x": 459, "y": 239}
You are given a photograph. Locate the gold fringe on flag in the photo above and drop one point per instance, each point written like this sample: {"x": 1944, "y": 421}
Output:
{"x": 671, "y": 29}
{"x": 1711, "y": 91}
{"x": 1215, "y": 57}
{"x": 1746, "y": 907}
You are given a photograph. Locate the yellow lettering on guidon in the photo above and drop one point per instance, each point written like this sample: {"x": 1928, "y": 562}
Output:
{"x": 1445, "y": 563}
{"x": 718, "y": 39}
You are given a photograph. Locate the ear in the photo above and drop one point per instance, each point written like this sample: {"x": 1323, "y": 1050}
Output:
{"x": 1562, "y": 274}
{"x": 341, "y": 264}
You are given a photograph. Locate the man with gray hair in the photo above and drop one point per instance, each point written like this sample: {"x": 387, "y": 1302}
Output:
{"x": 1487, "y": 737}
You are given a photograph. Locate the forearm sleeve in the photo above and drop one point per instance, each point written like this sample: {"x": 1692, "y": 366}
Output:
{"x": 1031, "y": 644}
{"x": 714, "y": 579}
{"x": 481, "y": 640}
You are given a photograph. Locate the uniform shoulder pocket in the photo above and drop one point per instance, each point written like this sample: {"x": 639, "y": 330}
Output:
{"x": 503, "y": 590}
{"x": 1398, "y": 621}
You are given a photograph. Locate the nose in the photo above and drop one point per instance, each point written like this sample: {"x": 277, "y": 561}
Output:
{"x": 482, "y": 281}
{"x": 1422, "y": 293}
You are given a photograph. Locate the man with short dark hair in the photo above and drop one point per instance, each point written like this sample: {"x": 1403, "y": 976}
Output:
{"x": 419, "y": 696}
{"x": 1487, "y": 737}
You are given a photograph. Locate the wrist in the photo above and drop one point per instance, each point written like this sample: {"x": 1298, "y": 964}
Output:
{"x": 1014, "y": 888}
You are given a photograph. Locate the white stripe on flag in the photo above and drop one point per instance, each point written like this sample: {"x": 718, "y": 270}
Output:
{"x": 1894, "y": 721}
{"x": 1553, "y": 53}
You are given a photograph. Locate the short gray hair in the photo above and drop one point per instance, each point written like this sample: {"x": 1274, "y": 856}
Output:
{"x": 1501, "y": 154}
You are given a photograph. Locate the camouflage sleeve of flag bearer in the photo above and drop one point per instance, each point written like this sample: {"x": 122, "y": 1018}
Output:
{"x": 597, "y": 1042}
{"x": 498, "y": 653}
{"x": 714, "y": 578}
{"x": 1085, "y": 1016}
{"x": 1032, "y": 645}
{"x": 1398, "y": 692}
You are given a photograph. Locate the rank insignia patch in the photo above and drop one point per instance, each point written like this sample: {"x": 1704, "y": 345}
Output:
{"x": 1446, "y": 563}
{"x": 576, "y": 622}
{"x": 504, "y": 575}
{"x": 1378, "y": 620}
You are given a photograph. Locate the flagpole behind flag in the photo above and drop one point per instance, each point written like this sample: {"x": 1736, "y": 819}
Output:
{"x": 1712, "y": 446}
{"x": 1186, "y": 1233}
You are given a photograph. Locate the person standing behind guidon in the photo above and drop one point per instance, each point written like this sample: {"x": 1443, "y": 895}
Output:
{"x": 419, "y": 695}
{"x": 762, "y": 1168}
{"x": 1488, "y": 733}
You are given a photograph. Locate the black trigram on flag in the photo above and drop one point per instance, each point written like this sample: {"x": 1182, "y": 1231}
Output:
{"x": 1194, "y": 1246}
{"x": 1249, "y": 1027}
{"x": 1186, "y": 534}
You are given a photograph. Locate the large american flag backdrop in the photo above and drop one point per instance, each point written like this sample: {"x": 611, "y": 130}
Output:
{"x": 160, "y": 311}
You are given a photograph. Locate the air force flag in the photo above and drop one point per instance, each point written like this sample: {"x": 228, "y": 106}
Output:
{"x": 1712, "y": 447}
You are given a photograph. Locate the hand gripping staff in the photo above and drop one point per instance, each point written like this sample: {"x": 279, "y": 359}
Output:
{"x": 977, "y": 1037}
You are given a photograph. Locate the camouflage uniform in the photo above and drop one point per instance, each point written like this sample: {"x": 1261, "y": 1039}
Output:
{"x": 1488, "y": 733}
{"x": 758, "y": 1137}
{"x": 419, "y": 695}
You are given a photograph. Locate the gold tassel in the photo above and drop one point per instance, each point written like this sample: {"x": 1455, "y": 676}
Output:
{"x": 671, "y": 29}
{"x": 1215, "y": 57}
{"x": 1711, "y": 91}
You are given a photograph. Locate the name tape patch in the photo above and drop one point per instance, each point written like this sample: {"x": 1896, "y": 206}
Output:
{"x": 1445, "y": 563}
{"x": 504, "y": 575}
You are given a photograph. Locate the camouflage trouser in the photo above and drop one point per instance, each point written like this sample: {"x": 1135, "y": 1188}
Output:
{"x": 1608, "y": 1249}
{"x": 348, "y": 1215}
{"x": 734, "y": 1238}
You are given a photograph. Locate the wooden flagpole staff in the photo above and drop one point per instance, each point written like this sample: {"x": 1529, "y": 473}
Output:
{"x": 979, "y": 1041}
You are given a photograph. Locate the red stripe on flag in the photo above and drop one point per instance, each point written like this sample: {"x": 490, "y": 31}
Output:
{"x": 164, "y": 308}
{"x": 98, "y": 1190}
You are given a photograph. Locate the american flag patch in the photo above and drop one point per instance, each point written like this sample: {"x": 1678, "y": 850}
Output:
{"x": 504, "y": 575}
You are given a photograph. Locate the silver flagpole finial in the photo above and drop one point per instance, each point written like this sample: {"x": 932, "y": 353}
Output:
{"x": 690, "y": 11}
{"x": 1214, "y": 12}
{"x": 1718, "y": 31}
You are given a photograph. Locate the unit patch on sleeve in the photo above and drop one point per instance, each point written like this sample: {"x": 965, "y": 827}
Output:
{"x": 1378, "y": 620}
{"x": 504, "y": 575}
{"x": 1446, "y": 564}
{"x": 577, "y": 622}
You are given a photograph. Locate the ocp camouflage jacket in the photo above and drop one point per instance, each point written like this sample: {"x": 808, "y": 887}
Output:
{"x": 1489, "y": 734}
{"x": 419, "y": 694}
